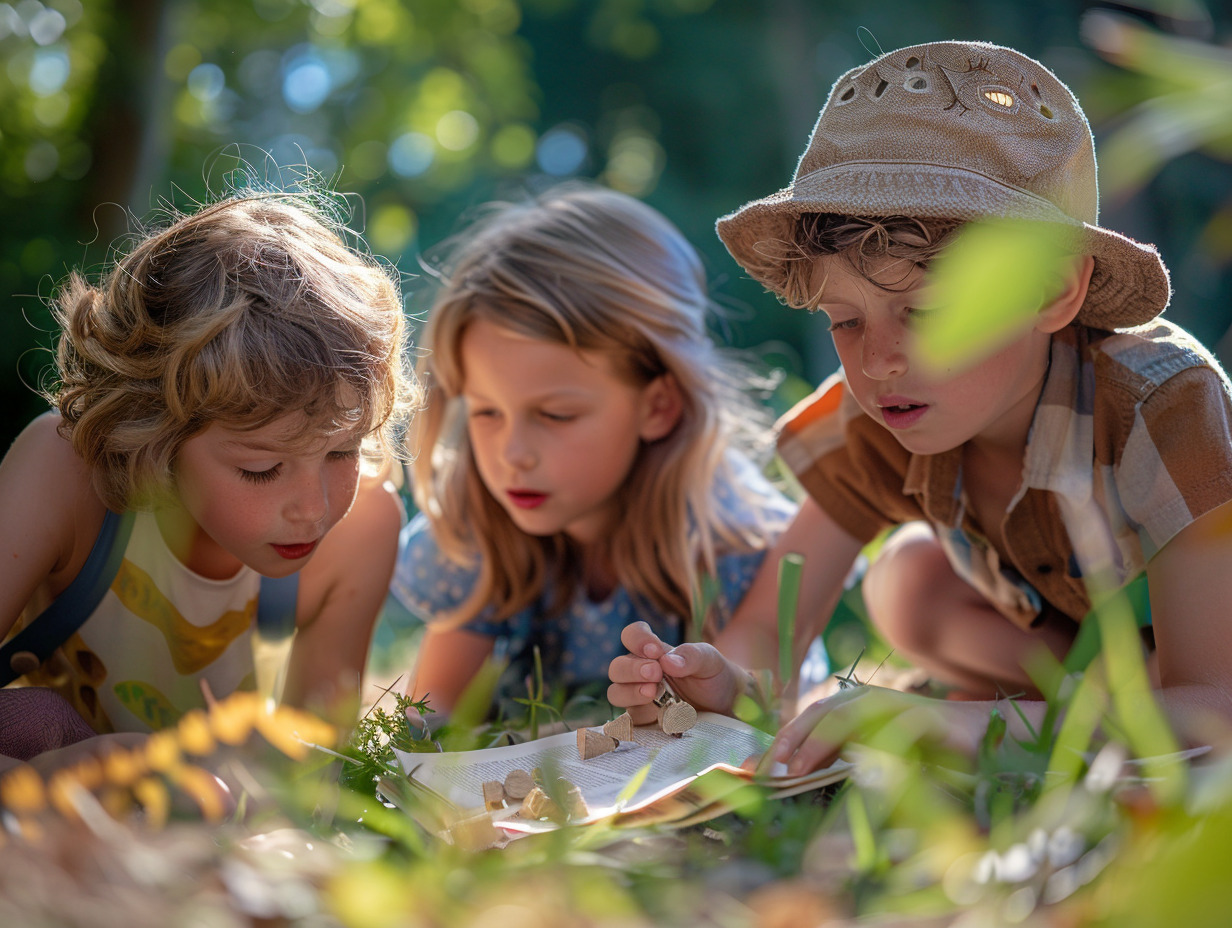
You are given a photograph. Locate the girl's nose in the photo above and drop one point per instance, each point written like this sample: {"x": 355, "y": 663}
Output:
{"x": 518, "y": 451}
{"x": 884, "y": 354}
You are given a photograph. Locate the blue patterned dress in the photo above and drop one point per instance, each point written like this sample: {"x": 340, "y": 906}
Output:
{"x": 577, "y": 644}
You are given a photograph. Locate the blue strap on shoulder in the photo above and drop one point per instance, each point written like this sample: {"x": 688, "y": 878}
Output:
{"x": 55, "y": 625}
{"x": 276, "y": 606}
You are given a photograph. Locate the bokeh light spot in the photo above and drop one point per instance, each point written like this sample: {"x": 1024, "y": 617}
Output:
{"x": 392, "y": 226}
{"x": 180, "y": 61}
{"x": 411, "y": 154}
{"x": 47, "y": 25}
{"x": 562, "y": 150}
{"x": 634, "y": 163}
{"x": 51, "y": 111}
{"x": 513, "y": 147}
{"x": 306, "y": 84}
{"x": 42, "y": 159}
{"x": 38, "y": 255}
{"x": 49, "y": 71}
{"x": 457, "y": 130}
{"x": 206, "y": 82}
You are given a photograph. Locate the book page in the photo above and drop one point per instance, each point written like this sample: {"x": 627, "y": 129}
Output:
{"x": 671, "y": 762}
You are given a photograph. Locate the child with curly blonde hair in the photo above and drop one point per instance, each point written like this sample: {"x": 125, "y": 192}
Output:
{"x": 225, "y": 397}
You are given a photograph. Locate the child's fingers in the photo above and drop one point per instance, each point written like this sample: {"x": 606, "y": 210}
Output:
{"x": 417, "y": 723}
{"x": 692, "y": 660}
{"x": 623, "y": 696}
{"x": 800, "y": 745}
{"x": 637, "y": 679}
{"x": 639, "y": 639}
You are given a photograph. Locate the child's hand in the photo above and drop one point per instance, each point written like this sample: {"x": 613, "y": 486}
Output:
{"x": 698, "y": 673}
{"x": 868, "y": 714}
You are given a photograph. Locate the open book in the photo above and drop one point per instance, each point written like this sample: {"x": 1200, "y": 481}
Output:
{"x": 655, "y": 778}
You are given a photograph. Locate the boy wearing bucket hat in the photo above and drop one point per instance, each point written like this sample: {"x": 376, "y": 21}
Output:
{"x": 1075, "y": 457}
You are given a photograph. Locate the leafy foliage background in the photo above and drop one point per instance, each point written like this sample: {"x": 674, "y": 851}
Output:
{"x": 425, "y": 108}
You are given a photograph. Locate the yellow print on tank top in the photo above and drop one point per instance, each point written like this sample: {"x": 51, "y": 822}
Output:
{"x": 191, "y": 647}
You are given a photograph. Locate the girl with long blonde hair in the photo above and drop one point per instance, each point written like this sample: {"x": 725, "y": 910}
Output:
{"x": 583, "y": 459}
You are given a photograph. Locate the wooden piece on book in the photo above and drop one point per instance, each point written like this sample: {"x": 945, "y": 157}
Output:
{"x": 575, "y": 805}
{"x": 539, "y": 804}
{"x": 475, "y": 833}
{"x": 676, "y": 717}
{"x": 493, "y": 795}
{"x": 620, "y": 728}
{"x": 517, "y": 784}
{"x": 592, "y": 743}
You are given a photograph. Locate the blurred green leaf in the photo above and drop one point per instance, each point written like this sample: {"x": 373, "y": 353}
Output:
{"x": 987, "y": 286}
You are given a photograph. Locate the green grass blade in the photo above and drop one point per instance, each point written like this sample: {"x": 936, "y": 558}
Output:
{"x": 791, "y": 568}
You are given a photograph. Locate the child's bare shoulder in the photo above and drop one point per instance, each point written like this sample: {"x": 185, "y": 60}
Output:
{"x": 51, "y": 513}
{"x": 42, "y": 463}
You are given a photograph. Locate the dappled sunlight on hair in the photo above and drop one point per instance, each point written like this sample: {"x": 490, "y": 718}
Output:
{"x": 251, "y": 308}
{"x": 599, "y": 272}
{"x": 865, "y": 243}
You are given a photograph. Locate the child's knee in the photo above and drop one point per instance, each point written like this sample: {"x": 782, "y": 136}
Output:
{"x": 902, "y": 585}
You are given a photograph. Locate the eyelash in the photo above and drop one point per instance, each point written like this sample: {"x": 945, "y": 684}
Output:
{"x": 266, "y": 476}
{"x": 551, "y": 417}
{"x": 261, "y": 476}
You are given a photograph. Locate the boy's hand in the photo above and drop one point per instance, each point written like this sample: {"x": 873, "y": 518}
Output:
{"x": 698, "y": 673}
{"x": 879, "y": 717}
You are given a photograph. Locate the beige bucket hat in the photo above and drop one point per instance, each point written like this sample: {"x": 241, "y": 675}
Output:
{"x": 956, "y": 130}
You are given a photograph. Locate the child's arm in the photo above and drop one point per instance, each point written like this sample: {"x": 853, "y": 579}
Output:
{"x": 712, "y": 676}
{"x": 1190, "y": 581}
{"x": 340, "y": 596}
{"x": 448, "y": 660}
{"x": 751, "y": 638}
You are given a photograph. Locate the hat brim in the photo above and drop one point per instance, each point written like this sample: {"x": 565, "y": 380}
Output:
{"x": 1129, "y": 286}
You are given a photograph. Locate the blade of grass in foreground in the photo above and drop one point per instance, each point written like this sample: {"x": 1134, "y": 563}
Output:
{"x": 1139, "y": 715}
{"x": 791, "y": 567}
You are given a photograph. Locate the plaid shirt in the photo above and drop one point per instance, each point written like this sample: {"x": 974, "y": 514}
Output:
{"x": 1130, "y": 443}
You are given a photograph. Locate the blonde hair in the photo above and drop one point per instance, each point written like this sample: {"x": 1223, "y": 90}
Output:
{"x": 246, "y": 310}
{"x": 863, "y": 242}
{"x": 597, "y": 271}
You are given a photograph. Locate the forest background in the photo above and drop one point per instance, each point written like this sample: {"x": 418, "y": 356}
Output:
{"x": 423, "y": 109}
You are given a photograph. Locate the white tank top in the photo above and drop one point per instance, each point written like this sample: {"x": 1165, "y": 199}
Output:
{"x": 137, "y": 662}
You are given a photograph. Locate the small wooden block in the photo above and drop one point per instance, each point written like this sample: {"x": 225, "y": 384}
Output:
{"x": 493, "y": 795}
{"x": 592, "y": 743}
{"x": 620, "y": 728}
{"x": 475, "y": 833}
{"x": 539, "y": 804}
{"x": 517, "y": 784}
{"x": 675, "y": 718}
{"x": 575, "y": 805}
